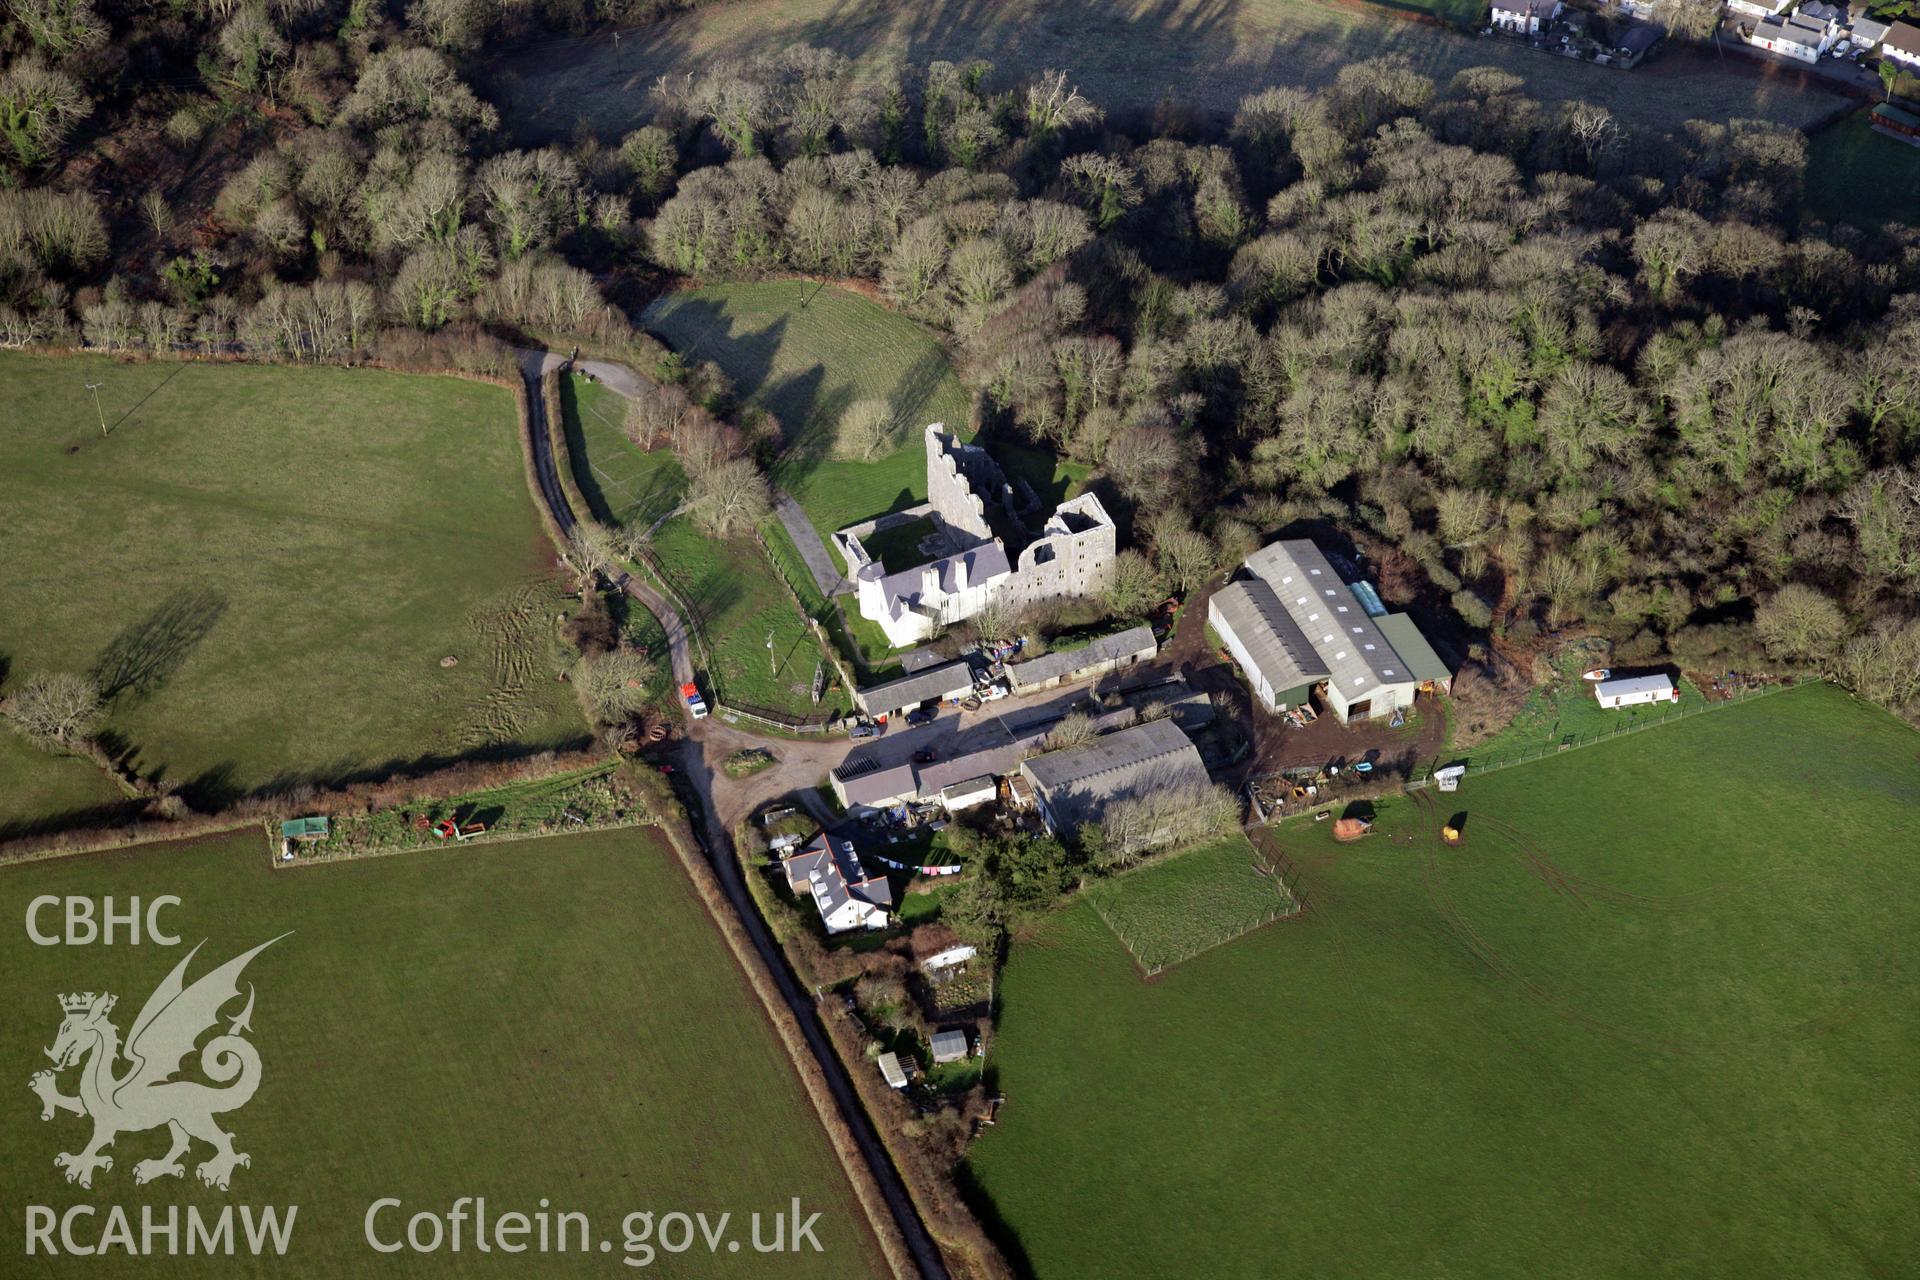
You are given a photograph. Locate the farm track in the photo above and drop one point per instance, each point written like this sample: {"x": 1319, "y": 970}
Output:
{"x": 716, "y": 842}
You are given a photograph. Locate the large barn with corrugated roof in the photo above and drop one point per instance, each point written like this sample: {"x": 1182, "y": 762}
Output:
{"x": 1296, "y": 626}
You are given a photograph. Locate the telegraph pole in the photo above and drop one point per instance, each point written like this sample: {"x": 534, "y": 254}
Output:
{"x": 95, "y": 388}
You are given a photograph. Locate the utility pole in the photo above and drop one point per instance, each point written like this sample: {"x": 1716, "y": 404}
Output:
{"x": 95, "y": 388}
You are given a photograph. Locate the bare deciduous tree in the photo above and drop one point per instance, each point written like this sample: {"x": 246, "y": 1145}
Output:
{"x": 867, "y": 429}
{"x": 56, "y": 709}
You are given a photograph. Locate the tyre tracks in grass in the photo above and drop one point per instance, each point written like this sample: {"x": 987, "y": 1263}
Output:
{"x": 1483, "y": 950}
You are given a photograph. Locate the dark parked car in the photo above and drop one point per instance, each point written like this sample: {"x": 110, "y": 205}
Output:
{"x": 926, "y": 755}
{"x": 921, "y": 715}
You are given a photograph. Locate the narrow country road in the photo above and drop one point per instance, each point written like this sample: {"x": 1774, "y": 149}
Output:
{"x": 716, "y": 838}
{"x": 534, "y": 365}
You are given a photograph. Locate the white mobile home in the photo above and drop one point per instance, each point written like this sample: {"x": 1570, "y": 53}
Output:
{"x": 1634, "y": 691}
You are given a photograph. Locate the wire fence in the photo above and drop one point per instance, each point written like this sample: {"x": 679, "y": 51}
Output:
{"x": 1477, "y": 762}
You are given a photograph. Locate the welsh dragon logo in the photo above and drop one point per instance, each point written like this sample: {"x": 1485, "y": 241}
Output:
{"x": 145, "y": 1096}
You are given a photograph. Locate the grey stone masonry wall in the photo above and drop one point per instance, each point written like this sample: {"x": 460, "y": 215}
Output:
{"x": 957, "y": 477}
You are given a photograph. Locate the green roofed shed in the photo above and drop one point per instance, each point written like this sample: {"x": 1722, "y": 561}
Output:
{"x": 1886, "y": 116}
{"x": 304, "y": 829}
{"x": 1423, "y": 664}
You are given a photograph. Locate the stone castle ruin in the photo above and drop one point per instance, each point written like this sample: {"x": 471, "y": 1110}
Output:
{"x": 977, "y": 518}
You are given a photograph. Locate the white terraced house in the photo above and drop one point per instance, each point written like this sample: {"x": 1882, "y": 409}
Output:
{"x": 1524, "y": 17}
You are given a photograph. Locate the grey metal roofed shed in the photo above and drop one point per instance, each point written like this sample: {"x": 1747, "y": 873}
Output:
{"x": 952, "y": 679}
{"x": 1075, "y": 786}
{"x": 1421, "y": 660}
{"x": 1133, "y": 644}
{"x": 1282, "y": 652}
{"x": 1324, "y": 607}
{"x": 863, "y": 782}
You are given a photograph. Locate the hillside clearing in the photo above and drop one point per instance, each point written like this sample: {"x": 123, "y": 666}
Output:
{"x": 807, "y": 353}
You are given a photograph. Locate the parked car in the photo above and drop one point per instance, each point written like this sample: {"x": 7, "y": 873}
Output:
{"x": 926, "y": 755}
{"x": 921, "y": 715}
{"x": 863, "y": 729}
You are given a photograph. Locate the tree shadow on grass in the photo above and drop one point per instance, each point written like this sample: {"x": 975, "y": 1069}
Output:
{"x": 146, "y": 654}
{"x": 916, "y": 388}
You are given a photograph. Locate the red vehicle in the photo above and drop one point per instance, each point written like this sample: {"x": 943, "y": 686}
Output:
{"x": 695, "y": 704}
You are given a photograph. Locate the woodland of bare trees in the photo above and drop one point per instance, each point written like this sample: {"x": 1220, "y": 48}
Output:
{"x": 1565, "y": 374}
{"x": 1554, "y": 371}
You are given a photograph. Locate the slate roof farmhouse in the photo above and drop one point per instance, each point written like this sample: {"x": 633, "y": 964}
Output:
{"x": 829, "y": 871}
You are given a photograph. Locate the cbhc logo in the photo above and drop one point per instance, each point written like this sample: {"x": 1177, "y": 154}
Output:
{"x": 84, "y": 926}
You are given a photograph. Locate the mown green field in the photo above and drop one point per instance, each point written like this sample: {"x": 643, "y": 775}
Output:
{"x": 265, "y": 566}
{"x": 1856, "y": 175}
{"x": 550, "y": 1019}
{"x": 806, "y": 354}
{"x": 1182, "y": 904}
{"x": 1659, "y": 1015}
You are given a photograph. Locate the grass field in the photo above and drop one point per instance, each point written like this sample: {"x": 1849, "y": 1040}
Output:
{"x": 805, "y": 354}
{"x": 1659, "y": 1015}
{"x": 39, "y": 788}
{"x": 268, "y": 564}
{"x": 1856, "y": 175}
{"x": 739, "y": 604}
{"x": 1178, "y": 906}
{"x": 625, "y": 485}
{"x": 555, "y": 1018}
{"x": 1126, "y": 55}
